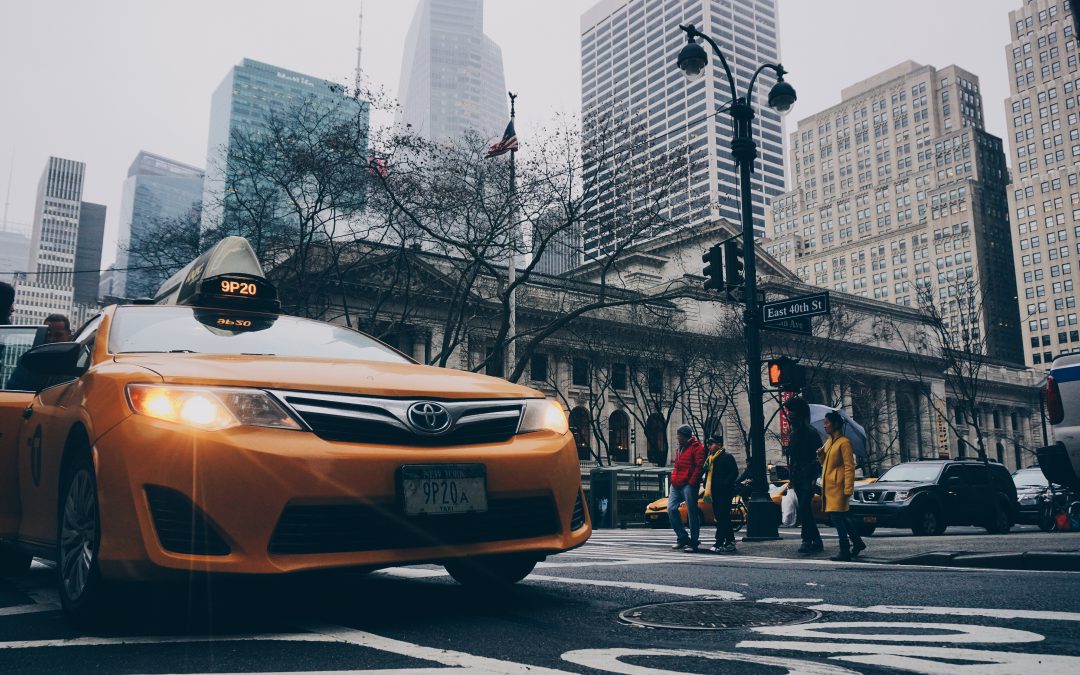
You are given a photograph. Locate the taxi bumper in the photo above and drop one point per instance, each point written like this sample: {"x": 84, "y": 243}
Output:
{"x": 264, "y": 501}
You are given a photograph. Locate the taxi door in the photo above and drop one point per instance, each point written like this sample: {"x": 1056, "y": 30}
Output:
{"x": 14, "y": 399}
{"x": 48, "y": 421}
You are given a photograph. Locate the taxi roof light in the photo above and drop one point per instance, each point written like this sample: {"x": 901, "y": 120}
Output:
{"x": 227, "y": 276}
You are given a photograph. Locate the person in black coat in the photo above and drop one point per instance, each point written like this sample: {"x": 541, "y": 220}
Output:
{"x": 802, "y": 448}
{"x": 721, "y": 473}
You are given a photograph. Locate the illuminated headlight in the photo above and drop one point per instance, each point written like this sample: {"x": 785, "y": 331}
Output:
{"x": 543, "y": 414}
{"x": 902, "y": 495}
{"x": 210, "y": 409}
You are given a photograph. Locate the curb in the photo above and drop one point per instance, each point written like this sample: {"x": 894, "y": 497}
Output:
{"x": 1050, "y": 561}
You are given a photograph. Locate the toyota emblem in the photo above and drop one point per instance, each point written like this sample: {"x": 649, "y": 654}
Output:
{"x": 429, "y": 417}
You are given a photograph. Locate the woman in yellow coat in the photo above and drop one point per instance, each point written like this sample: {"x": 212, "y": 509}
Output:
{"x": 838, "y": 484}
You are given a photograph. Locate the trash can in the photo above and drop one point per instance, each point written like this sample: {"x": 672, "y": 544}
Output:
{"x": 603, "y": 496}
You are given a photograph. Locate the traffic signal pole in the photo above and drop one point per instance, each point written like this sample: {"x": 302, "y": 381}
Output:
{"x": 763, "y": 519}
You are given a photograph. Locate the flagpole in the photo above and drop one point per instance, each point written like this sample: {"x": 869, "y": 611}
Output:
{"x": 511, "y": 268}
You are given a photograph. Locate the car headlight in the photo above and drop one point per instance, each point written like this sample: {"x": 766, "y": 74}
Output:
{"x": 901, "y": 495}
{"x": 543, "y": 414}
{"x": 209, "y": 408}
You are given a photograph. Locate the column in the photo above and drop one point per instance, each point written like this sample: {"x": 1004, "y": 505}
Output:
{"x": 893, "y": 429}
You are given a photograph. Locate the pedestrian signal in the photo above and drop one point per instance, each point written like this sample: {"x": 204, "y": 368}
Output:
{"x": 786, "y": 374}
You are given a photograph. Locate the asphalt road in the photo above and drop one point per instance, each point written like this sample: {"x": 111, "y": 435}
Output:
{"x": 565, "y": 618}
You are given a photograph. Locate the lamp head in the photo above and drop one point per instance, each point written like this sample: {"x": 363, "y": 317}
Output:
{"x": 782, "y": 96}
{"x": 692, "y": 58}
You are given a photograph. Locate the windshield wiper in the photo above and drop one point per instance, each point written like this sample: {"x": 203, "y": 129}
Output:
{"x": 181, "y": 351}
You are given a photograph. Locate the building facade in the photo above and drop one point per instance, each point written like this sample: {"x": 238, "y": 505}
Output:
{"x": 452, "y": 78}
{"x": 629, "y": 375}
{"x": 14, "y": 251}
{"x": 57, "y": 245}
{"x": 1044, "y": 198}
{"x": 900, "y": 195}
{"x": 157, "y": 189}
{"x": 631, "y": 93}
{"x": 244, "y": 101}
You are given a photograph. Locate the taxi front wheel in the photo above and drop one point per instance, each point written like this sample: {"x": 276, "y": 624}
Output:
{"x": 78, "y": 537}
{"x": 498, "y": 570}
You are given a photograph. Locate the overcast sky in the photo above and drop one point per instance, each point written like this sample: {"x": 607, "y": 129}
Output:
{"x": 99, "y": 80}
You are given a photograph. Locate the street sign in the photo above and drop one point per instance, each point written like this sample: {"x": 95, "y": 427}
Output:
{"x": 800, "y": 325}
{"x": 793, "y": 308}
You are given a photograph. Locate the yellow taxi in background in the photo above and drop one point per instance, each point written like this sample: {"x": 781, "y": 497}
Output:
{"x": 211, "y": 433}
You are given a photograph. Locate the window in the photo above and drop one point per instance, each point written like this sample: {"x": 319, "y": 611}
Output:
{"x": 580, "y": 372}
{"x": 656, "y": 380}
{"x": 538, "y": 368}
{"x": 618, "y": 376}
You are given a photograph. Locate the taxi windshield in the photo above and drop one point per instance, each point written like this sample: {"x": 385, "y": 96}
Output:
{"x": 175, "y": 329}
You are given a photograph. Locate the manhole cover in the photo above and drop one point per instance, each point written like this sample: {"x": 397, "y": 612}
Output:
{"x": 716, "y": 615}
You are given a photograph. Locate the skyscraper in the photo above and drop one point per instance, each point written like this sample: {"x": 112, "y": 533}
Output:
{"x": 243, "y": 102}
{"x": 88, "y": 253}
{"x": 1044, "y": 198}
{"x": 452, "y": 74}
{"x": 157, "y": 189}
{"x": 628, "y": 52}
{"x": 899, "y": 195}
{"x": 57, "y": 245}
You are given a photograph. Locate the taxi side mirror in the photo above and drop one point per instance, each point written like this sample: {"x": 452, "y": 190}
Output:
{"x": 58, "y": 358}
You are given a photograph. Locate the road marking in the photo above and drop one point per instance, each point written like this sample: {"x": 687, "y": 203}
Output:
{"x": 476, "y": 664}
{"x": 790, "y": 601}
{"x": 28, "y": 609}
{"x": 609, "y": 660}
{"x": 638, "y": 586}
{"x": 954, "y": 611}
{"x": 164, "y": 639}
{"x": 920, "y": 659}
{"x": 961, "y": 633}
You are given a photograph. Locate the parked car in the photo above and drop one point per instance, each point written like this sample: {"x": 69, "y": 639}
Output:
{"x": 930, "y": 495}
{"x": 1030, "y": 485}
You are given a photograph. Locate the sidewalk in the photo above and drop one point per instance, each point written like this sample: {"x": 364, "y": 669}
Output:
{"x": 1024, "y": 548}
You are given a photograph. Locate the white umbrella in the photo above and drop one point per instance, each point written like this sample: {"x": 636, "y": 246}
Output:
{"x": 852, "y": 429}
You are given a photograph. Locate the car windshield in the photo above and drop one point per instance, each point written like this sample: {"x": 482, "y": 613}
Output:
{"x": 1030, "y": 478}
{"x": 912, "y": 473}
{"x": 161, "y": 329}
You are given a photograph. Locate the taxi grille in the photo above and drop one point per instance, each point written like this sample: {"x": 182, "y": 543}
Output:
{"x": 356, "y": 419}
{"x": 340, "y": 528}
{"x": 181, "y": 528}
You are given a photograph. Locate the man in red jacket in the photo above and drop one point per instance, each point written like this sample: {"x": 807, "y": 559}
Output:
{"x": 685, "y": 477}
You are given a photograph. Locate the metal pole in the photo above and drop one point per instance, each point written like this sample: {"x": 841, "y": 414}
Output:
{"x": 763, "y": 520}
{"x": 511, "y": 267}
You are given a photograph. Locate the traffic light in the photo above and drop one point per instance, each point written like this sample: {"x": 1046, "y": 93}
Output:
{"x": 733, "y": 263}
{"x": 714, "y": 268}
{"x": 786, "y": 374}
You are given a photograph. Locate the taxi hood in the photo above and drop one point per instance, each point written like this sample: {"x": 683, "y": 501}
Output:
{"x": 369, "y": 378}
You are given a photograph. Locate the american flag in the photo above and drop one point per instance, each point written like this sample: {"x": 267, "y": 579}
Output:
{"x": 509, "y": 142}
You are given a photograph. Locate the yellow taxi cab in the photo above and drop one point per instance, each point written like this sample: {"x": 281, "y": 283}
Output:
{"x": 211, "y": 433}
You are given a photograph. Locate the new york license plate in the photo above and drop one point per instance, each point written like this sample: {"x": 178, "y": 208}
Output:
{"x": 443, "y": 488}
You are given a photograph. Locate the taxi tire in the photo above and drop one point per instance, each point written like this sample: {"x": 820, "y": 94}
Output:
{"x": 660, "y": 523}
{"x": 494, "y": 570}
{"x": 90, "y": 605}
{"x": 13, "y": 562}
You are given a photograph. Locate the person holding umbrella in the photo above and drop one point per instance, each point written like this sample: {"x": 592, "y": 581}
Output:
{"x": 838, "y": 484}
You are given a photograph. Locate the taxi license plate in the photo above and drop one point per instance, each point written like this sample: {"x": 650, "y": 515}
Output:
{"x": 443, "y": 488}
{"x": 869, "y": 519}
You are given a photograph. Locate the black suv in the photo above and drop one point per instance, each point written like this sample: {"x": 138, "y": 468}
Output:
{"x": 930, "y": 495}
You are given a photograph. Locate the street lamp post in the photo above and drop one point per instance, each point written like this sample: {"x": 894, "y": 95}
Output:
{"x": 762, "y": 513}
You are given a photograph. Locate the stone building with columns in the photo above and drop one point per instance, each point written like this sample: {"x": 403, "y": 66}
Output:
{"x": 631, "y": 373}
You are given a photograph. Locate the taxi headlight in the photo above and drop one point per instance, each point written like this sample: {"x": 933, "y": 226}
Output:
{"x": 543, "y": 414}
{"x": 210, "y": 409}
